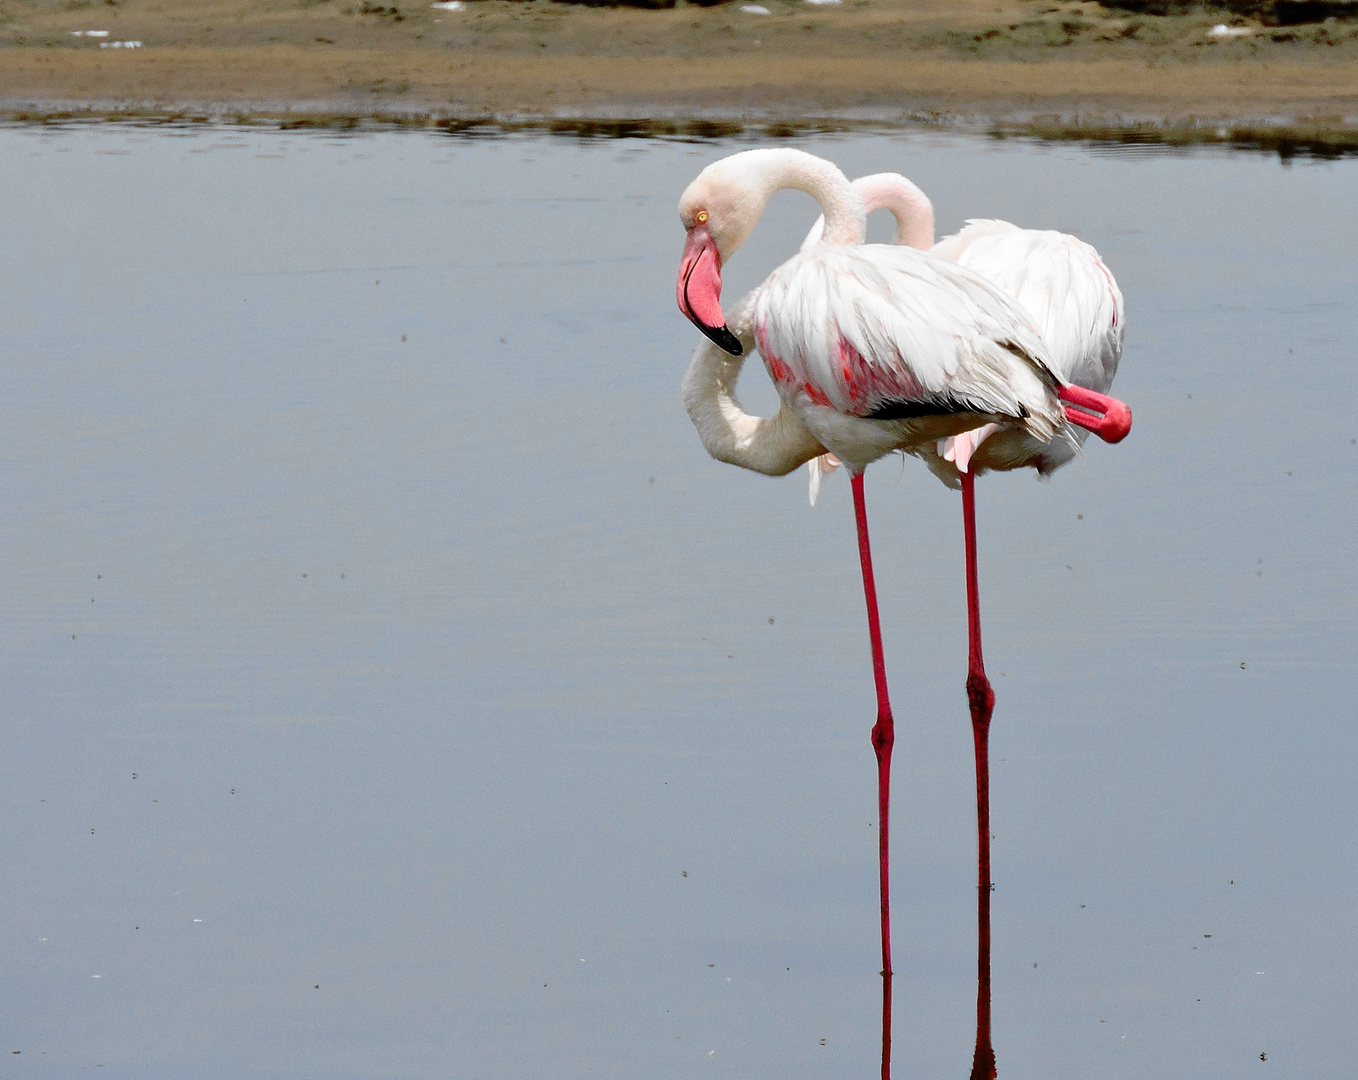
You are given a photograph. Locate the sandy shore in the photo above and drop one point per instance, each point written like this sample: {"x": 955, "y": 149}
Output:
{"x": 1006, "y": 63}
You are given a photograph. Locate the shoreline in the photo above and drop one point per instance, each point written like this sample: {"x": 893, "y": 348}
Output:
{"x": 1285, "y": 139}
{"x": 1061, "y": 70}
{"x": 1286, "y": 136}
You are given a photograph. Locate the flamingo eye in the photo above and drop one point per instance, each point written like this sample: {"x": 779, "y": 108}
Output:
{"x": 702, "y": 217}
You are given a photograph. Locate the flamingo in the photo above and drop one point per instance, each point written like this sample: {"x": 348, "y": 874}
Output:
{"x": 1075, "y": 301}
{"x": 872, "y": 349}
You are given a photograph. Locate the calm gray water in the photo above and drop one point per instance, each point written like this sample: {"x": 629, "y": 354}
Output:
{"x": 393, "y": 688}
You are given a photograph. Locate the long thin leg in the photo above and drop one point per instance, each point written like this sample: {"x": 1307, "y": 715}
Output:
{"x": 883, "y": 738}
{"x": 981, "y": 698}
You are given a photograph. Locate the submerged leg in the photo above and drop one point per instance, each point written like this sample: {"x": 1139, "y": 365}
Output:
{"x": 883, "y": 737}
{"x": 982, "y": 701}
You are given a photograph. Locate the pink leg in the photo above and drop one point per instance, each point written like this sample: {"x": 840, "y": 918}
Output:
{"x": 981, "y": 698}
{"x": 883, "y": 738}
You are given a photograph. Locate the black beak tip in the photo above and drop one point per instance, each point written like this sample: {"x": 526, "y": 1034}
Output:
{"x": 724, "y": 339}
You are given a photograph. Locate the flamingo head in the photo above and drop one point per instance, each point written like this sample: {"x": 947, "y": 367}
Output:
{"x": 717, "y": 210}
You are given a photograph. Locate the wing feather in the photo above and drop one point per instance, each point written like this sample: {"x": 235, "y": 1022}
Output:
{"x": 1063, "y": 284}
{"x": 872, "y": 328}
{"x": 1073, "y": 299}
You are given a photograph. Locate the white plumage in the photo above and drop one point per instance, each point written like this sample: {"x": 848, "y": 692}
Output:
{"x": 926, "y": 333}
{"x": 1075, "y": 302}
{"x": 1058, "y": 280}
{"x": 873, "y": 348}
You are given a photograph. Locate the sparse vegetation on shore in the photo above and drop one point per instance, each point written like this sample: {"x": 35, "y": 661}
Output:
{"x": 1070, "y": 66}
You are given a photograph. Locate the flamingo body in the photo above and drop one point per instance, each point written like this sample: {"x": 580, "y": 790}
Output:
{"x": 1063, "y": 286}
{"x": 1075, "y": 302}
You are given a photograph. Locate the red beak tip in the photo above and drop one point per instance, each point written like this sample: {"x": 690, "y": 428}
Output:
{"x": 1118, "y": 423}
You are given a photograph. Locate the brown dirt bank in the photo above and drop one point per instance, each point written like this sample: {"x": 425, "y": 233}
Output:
{"x": 1000, "y": 62}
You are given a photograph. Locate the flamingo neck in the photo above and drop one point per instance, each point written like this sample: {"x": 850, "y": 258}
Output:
{"x": 911, "y": 208}
{"x": 769, "y": 171}
{"x": 846, "y": 219}
{"x": 735, "y": 191}
{"x": 774, "y": 446}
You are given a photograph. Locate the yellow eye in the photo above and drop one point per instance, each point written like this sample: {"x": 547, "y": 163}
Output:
{"x": 702, "y": 217}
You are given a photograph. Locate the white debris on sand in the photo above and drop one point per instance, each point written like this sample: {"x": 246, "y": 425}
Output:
{"x": 120, "y": 44}
{"x": 448, "y": 5}
{"x": 89, "y": 33}
{"x": 1221, "y": 30}
{"x": 755, "y": 9}
{"x": 824, "y": 1}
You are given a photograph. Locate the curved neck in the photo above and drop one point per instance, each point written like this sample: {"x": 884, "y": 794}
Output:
{"x": 911, "y": 208}
{"x": 773, "y": 446}
{"x": 846, "y": 221}
{"x": 776, "y": 445}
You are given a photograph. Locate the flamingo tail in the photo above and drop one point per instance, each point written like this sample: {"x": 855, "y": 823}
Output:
{"x": 820, "y": 468}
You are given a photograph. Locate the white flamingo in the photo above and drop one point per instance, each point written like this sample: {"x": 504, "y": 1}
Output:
{"x": 1075, "y": 301}
{"x": 872, "y": 348}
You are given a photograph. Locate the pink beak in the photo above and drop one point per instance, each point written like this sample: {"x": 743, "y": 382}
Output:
{"x": 699, "y": 289}
{"x": 1106, "y": 417}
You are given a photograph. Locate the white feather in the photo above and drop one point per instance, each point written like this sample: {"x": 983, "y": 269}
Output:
{"x": 1075, "y": 302}
{"x": 851, "y": 329}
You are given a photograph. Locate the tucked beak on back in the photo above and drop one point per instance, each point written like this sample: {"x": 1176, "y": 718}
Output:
{"x": 699, "y": 289}
{"x": 1106, "y": 417}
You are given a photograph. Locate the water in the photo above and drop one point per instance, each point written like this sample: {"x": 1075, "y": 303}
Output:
{"x": 368, "y": 597}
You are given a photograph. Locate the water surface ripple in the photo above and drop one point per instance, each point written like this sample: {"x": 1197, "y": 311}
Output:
{"x": 393, "y": 688}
